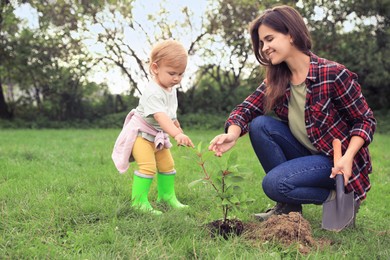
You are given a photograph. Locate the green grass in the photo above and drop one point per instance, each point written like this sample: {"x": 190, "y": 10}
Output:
{"x": 61, "y": 198}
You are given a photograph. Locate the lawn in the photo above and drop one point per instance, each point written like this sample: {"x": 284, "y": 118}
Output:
{"x": 61, "y": 198}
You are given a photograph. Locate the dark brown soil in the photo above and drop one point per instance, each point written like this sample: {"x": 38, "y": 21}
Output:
{"x": 226, "y": 229}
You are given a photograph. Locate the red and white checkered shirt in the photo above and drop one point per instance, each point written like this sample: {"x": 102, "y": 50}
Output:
{"x": 334, "y": 108}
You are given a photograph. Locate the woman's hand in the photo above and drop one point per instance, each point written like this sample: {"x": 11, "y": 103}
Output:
{"x": 345, "y": 163}
{"x": 222, "y": 143}
{"x": 343, "y": 166}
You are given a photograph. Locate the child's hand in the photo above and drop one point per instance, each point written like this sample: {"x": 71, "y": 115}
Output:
{"x": 184, "y": 140}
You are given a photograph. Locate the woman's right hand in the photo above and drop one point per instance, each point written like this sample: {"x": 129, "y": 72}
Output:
{"x": 222, "y": 143}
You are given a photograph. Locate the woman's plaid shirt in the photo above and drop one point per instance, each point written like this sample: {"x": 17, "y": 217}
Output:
{"x": 335, "y": 108}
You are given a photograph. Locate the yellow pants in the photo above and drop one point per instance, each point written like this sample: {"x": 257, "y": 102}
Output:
{"x": 149, "y": 159}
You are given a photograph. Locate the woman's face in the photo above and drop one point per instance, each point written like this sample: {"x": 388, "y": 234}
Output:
{"x": 277, "y": 46}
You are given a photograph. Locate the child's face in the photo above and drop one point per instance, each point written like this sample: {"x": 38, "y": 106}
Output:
{"x": 168, "y": 76}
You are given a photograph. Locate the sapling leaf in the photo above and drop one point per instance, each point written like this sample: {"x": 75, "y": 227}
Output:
{"x": 243, "y": 170}
{"x": 234, "y": 200}
{"x": 245, "y": 200}
{"x": 207, "y": 155}
{"x": 199, "y": 147}
{"x": 232, "y": 160}
{"x": 237, "y": 189}
{"x": 235, "y": 179}
{"x": 234, "y": 168}
{"x": 228, "y": 183}
{"x": 193, "y": 183}
{"x": 228, "y": 188}
{"x": 223, "y": 196}
{"x": 225, "y": 202}
{"x": 243, "y": 206}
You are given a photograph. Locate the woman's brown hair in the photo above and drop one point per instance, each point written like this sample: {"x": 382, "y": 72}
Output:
{"x": 286, "y": 20}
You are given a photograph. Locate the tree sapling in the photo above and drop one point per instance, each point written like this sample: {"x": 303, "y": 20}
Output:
{"x": 226, "y": 184}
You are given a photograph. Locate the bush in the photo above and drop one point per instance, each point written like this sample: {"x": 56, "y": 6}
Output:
{"x": 383, "y": 121}
{"x": 196, "y": 121}
{"x": 111, "y": 121}
{"x": 202, "y": 121}
{"x": 42, "y": 122}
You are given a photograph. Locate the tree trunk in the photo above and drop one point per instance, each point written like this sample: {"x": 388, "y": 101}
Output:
{"x": 5, "y": 113}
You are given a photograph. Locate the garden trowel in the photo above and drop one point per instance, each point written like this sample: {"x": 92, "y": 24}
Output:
{"x": 339, "y": 212}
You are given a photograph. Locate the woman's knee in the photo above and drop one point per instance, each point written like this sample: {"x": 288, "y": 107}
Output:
{"x": 259, "y": 123}
{"x": 262, "y": 126}
{"x": 270, "y": 187}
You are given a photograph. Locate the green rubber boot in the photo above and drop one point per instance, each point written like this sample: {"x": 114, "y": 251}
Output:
{"x": 139, "y": 195}
{"x": 166, "y": 190}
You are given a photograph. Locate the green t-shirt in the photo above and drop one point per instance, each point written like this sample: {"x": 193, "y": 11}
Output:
{"x": 296, "y": 115}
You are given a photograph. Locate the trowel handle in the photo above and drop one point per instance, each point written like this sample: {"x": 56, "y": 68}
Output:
{"x": 337, "y": 154}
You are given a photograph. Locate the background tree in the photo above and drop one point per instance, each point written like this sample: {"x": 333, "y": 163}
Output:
{"x": 46, "y": 67}
{"x": 352, "y": 32}
{"x": 119, "y": 29}
{"x": 8, "y": 28}
{"x": 227, "y": 76}
{"x": 355, "y": 33}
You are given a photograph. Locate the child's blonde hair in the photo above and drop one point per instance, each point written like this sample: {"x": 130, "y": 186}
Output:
{"x": 169, "y": 52}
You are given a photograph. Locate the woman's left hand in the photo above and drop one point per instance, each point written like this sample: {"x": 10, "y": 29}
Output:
{"x": 343, "y": 166}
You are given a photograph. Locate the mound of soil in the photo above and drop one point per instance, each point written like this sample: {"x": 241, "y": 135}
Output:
{"x": 287, "y": 229}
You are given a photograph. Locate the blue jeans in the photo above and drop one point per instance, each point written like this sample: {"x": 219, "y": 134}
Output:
{"x": 293, "y": 174}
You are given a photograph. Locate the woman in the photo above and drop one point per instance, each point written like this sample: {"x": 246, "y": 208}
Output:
{"x": 316, "y": 101}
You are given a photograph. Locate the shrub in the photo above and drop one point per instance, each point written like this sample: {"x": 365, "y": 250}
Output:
{"x": 202, "y": 121}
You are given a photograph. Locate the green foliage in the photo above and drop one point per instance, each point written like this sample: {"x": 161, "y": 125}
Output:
{"x": 108, "y": 112}
{"x": 202, "y": 121}
{"x": 383, "y": 121}
{"x": 41, "y": 122}
{"x": 111, "y": 121}
{"x": 364, "y": 49}
{"x": 226, "y": 182}
{"x": 218, "y": 91}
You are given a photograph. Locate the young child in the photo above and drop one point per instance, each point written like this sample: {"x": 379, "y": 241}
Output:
{"x": 145, "y": 134}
